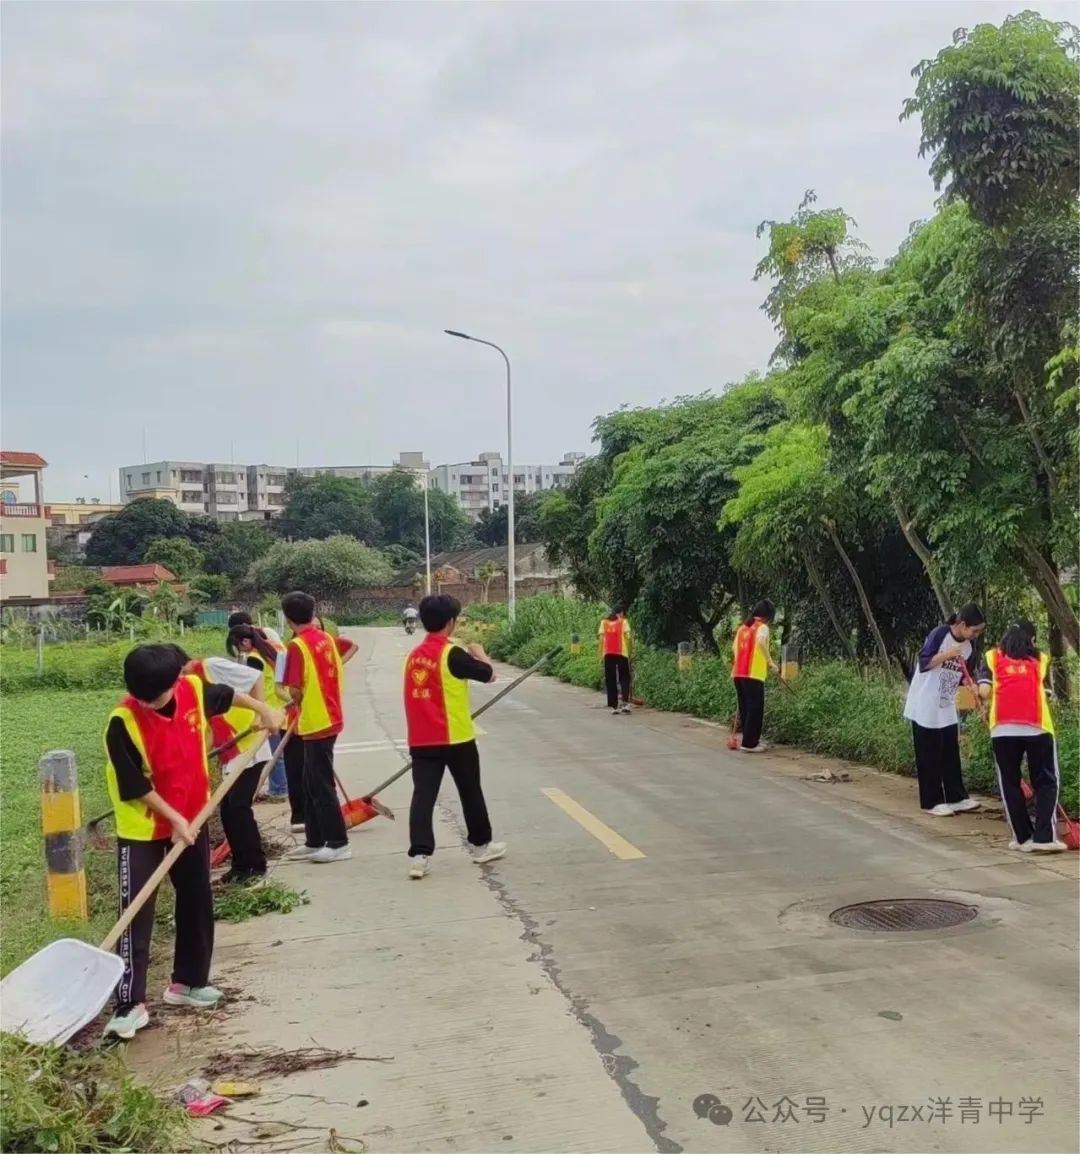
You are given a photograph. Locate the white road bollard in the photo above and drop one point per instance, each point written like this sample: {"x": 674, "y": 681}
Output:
{"x": 686, "y": 658}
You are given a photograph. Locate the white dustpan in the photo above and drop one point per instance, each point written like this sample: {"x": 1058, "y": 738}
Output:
{"x": 61, "y": 989}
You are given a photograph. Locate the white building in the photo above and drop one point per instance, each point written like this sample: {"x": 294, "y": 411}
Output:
{"x": 485, "y": 483}
{"x": 239, "y": 492}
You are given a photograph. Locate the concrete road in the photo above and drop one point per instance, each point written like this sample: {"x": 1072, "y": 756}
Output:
{"x": 659, "y": 932}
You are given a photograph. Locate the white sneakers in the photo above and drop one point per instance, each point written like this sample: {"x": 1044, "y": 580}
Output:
{"x": 321, "y": 856}
{"x": 481, "y": 854}
{"x": 326, "y": 854}
{"x": 759, "y": 748}
{"x": 1022, "y": 846}
{"x": 947, "y": 808}
{"x": 1047, "y": 846}
{"x": 490, "y": 852}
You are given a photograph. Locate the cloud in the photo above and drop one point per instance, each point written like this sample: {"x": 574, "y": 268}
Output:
{"x": 240, "y": 223}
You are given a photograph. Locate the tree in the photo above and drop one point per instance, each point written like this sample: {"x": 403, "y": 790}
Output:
{"x": 328, "y": 568}
{"x": 123, "y": 538}
{"x": 232, "y": 551}
{"x": 1000, "y": 113}
{"x": 814, "y": 245}
{"x": 319, "y": 507}
{"x": 398, "y": 505}
{"x": 658, "y": 541}
{"x": 567, "y": 519}
{"x": 485, "y": 574}
{"x": 491, "y": 528}
{"x": 211, "y": 587}
{"x": 177, "y": 554}
{"x": 164, "y": 603}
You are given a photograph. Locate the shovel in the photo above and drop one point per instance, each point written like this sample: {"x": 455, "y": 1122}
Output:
{"x": 378, "y": 807}
{"x": 63, "y": 987}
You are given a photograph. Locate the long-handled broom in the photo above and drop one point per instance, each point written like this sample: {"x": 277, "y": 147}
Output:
{"x": 222, "y": 852}
{"x": 374, "y": 808}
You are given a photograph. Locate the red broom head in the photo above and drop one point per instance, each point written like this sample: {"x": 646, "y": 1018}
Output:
{"x": 357, "y": 811}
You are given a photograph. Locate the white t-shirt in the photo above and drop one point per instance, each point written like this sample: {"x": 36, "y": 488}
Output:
{"x": 242, "y": 678}
{"x": 931, "y": 698}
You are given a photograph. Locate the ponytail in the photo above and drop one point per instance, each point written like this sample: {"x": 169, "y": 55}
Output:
{"x": 258, "y": 641}
{"x": 1018, "y": 641}
{"x": 969, "y": 614}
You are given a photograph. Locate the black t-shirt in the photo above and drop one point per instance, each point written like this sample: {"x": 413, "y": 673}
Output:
{"x": 465, "y": 667}
{"x": 132, "y": 778}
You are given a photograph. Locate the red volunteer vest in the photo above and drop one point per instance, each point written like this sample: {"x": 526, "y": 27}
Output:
{"x": 436, "y": 703}
{"x": 175, "y": 752}
{"x": 749, "y": 660}
{"x": 614, "y": 637}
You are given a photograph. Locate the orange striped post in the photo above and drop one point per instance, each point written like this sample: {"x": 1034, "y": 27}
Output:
{"x": 61, "y": 823}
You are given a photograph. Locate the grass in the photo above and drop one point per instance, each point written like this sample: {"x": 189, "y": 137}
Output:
{"x": 32, "y": 725}
{"x": 836, "y": 709}
{"x": 90, "y": 664}
{"x": 57, "y": 1099}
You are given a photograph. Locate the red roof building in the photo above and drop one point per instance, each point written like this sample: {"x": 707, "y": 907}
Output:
{"x": 149, "y": 574}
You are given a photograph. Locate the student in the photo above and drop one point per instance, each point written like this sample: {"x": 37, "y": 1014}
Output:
{"x": 277, "y": 787}
{"x": 614, "y": 635}
{"x": 158, "y": 779}
{"x": 313, "y": 671}
{"x": 931, "y": 709}
{"x": 442, "y": 734}
{"x": 749, "y": 668}
{"x": 1013, "y": 679}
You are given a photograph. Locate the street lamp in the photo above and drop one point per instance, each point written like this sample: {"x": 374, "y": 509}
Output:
{"x": 427, "y": 534}
{"x": 511, "y": 599}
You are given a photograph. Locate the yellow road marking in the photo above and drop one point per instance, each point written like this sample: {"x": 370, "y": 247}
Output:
{"x": 604, "y": 834}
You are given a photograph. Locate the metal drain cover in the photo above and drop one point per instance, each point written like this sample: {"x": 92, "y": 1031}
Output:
{"x": 903, "y": 914}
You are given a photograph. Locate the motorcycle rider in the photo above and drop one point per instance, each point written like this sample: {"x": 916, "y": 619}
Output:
{"x": 409, "y": 616}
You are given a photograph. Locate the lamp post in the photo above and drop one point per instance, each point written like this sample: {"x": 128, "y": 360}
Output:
{"x": 427, "y": 534}
{"x": 511, "y": 598}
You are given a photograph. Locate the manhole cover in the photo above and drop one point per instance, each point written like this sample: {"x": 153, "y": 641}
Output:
{"x": 903, "y": 914}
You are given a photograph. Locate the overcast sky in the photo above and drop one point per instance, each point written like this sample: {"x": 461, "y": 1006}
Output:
{"x": 239, "y": 226}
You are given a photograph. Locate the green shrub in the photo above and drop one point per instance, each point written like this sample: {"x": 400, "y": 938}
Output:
{"x": 833, "y": 709}
{"x": 96, "y": 663}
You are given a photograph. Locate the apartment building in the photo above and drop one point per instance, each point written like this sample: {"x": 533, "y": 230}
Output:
{"x": 71, "y": 523}
{"x": 485, "y": 482}
{"x": 25, "y": 570}
{"x": 240, "y": 492}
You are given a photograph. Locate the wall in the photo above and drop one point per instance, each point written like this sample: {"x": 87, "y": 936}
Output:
{"x": 23, "y": 574}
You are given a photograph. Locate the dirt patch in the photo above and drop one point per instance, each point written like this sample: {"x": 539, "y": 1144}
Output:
{"x": 251, "y": 1063}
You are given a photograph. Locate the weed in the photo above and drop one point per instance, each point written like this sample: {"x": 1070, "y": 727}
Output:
{"x": 237, "y": 903}
{"x": 58, "y": 1099}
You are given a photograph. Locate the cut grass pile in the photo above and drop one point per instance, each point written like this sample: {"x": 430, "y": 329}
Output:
{"x": 57, "y": 1099}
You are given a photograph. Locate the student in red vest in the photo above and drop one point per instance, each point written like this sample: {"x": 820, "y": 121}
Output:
{"x": 1013, "y": 679}
{"x": 158, "y": 778}
{"x": 314, "y": 664}
{"x": 442, "y": 735}
{"x": 752, "y": 661}
{"x": 614, "y": 635}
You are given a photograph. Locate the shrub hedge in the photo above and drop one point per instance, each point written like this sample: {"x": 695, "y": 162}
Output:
{"x": 833, "y": 709}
